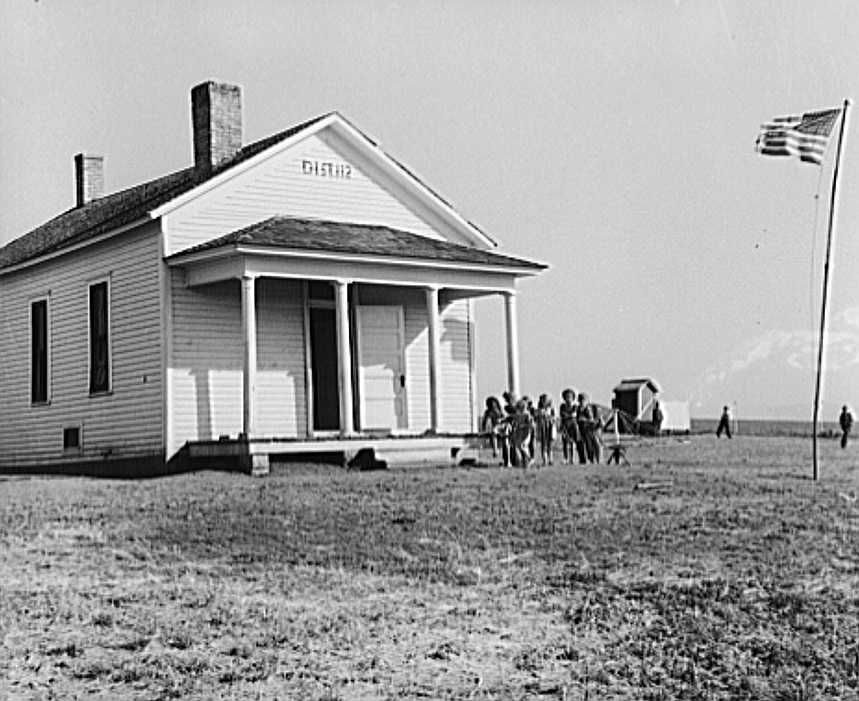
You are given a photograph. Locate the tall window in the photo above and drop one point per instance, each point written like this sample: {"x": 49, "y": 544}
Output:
{"x": 99, "y": 338}
{"x": 39, "y": 351}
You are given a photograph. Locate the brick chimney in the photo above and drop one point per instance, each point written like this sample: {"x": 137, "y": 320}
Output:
{"x": 89, "y": 178}
{"x": 216, "y": 115}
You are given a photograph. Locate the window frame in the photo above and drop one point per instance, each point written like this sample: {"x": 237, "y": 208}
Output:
{"x": 46, "y": 298}
{"x": 73, "y": 450}
{"x": 109, "y": 389}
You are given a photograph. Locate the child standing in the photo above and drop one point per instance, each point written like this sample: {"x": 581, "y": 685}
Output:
{"x": 590, "y": 446}
{"x": 532, "y": 412}
{"x": 569, "y": 426}
{"x": 545, "y": 421}
{"x": 509, "y": 455}
{"x": 522, "y": 430}
{"x": 491, "y": 423}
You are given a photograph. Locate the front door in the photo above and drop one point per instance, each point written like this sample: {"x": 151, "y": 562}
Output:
{"x": 381, "y": 368}
{"x": 323, "y": 363}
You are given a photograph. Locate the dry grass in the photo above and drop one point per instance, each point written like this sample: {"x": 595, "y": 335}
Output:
{"x": 733, "y": 578}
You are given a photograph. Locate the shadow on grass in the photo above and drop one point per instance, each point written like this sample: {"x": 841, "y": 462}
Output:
{"x": 117, "y": 468}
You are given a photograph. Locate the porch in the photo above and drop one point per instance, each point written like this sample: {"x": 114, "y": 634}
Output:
{"x": 256, "y": 455}
{"x": 380, "y": 341}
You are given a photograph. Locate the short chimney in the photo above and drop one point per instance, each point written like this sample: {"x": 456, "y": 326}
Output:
{"x": 216, "y": 115}
{"x": 89, "y": 178}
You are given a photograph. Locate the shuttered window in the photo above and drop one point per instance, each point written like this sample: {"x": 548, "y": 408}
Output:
{"x": 39, "y": 351}
{"x": 99, "y": 338}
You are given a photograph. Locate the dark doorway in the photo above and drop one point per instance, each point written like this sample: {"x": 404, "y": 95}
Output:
{"x": 323, "y": 361}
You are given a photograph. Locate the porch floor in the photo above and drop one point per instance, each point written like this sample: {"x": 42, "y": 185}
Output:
{"x": 255, "y": 455}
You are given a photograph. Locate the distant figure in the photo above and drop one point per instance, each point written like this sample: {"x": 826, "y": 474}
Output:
{"x": 569, "y": 426}
{"x": 846, "y": 421}
{"x": 545, "y": 420}
{"x": 491, "y": 423}
{"x": 724, "y": 423}
{"x": 657, "y": 418}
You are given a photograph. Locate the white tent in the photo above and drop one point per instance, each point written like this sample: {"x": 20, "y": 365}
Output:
{"x": 676, "y": 416}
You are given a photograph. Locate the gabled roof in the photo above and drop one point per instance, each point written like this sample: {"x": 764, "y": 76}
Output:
{"x": 300, "y": 234}
{"x": 126, "y": 206}
{"x": 634, "y": 384}
{"x": 152, "y": 198}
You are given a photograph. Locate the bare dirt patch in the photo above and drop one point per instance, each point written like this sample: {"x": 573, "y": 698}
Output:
{"x": 735, "y": 578}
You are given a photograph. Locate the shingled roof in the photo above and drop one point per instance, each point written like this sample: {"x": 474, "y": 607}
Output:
{"x": 126, "y": 206}
{"x": 635, "y": 383}
{"x": 359, "y": 239}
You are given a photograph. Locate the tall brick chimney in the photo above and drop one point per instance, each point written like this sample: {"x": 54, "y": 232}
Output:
{"x": 216, "y": 115}
{"x": 89, "y": 178}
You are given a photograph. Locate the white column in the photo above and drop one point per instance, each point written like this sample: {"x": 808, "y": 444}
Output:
{"x": 433, "y": 329}
{"x": 512, "y": 342}
{"x": 344, "y": 356}
{"x": 249, "y": 331}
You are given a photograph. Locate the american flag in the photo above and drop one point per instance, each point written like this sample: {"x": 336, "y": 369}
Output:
{"x": 805, "y": 136}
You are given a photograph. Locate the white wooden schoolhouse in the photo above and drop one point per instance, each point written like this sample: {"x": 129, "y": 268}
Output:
{"x": 306, "y": 292}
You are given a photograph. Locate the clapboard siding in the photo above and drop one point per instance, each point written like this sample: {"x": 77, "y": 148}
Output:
{"x": 281, "y": 404}
{"x": 128, "y": 421}
{"x": 207, "y": 361}
{"x": 455, "y": 361}
{"x": 278, "y": 187}
{"x": 417, "y": 364}
{"x": 455, "y": 367}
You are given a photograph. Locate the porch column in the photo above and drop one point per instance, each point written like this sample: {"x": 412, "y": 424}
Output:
{"x": 249, "y": 331}
{"x": 432, "y": 328}
{"x": 512, "y": 342}
{"x": 344, "y": 357}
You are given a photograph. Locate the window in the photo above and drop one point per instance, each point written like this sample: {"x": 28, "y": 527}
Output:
{"x": 39, "y": 351}
{"x": 72, "y": 438}
{"x": 99, "y": 337}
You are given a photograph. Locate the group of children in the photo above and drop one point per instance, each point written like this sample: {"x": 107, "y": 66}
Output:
{"x": 519, "y": 429}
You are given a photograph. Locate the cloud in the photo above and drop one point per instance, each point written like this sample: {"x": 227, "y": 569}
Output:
{"x": 763, "y": 347}
{"x": 850, "y": 317}
{"x": 774, "y": 362}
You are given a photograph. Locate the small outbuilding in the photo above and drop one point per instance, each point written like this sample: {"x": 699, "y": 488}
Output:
{"x": 635, "y": 397}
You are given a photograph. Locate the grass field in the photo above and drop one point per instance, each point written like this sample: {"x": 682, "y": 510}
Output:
{"x": 736, "y": 578}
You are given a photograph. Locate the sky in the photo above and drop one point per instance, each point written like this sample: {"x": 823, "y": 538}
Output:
{"x": 613, "y": 141}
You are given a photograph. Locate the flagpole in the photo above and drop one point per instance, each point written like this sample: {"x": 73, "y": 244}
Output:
{"x": 830, "y": 235}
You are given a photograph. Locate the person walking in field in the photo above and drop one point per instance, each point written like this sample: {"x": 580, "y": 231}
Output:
{"x": 846, "y": 422}
{"x": 569, "y": 426}
{"x": 657, "y": 417}
{"x": 724, "y": 423}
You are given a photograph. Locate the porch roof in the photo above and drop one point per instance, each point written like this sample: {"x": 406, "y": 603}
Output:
{"x": 293, "y": 233}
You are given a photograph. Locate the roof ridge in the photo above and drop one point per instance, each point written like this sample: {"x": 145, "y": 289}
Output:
{"x": 114, "y": 209}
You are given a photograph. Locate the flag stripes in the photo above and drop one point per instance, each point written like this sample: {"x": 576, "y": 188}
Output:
{"x": 805, "y": 137}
